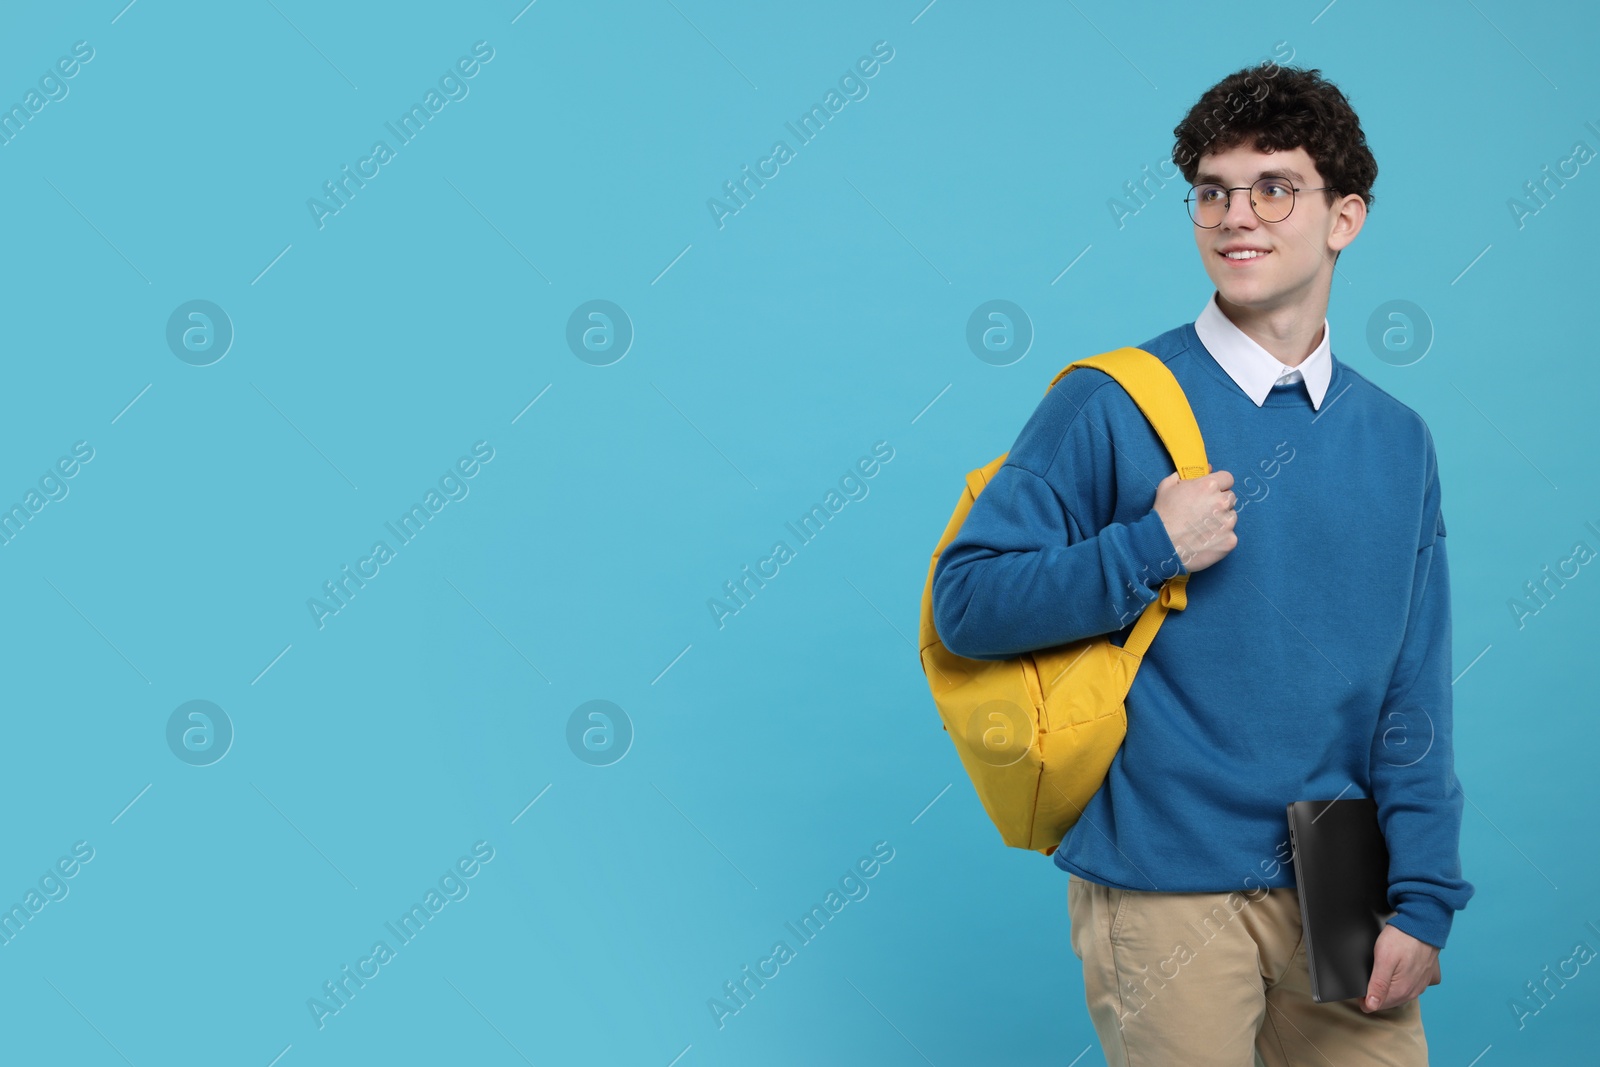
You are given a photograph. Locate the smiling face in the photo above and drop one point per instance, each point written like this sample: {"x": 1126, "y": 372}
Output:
{"x": 1293, "y": 261}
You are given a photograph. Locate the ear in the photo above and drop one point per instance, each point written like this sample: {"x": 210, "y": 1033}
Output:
{"x": 1350, "y": 214}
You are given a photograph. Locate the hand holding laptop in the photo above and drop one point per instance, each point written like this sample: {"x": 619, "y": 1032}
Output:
{"x": 1402, "y": 969}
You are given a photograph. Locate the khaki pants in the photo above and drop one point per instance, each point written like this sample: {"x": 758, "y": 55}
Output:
{"x": 1219, "y": 980}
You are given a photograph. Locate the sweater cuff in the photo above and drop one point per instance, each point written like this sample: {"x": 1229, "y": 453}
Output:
{"x": 1154, "y": 551}
{"x": 1425, "y": 919}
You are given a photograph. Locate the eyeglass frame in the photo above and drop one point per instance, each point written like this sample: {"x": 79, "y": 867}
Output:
{"x": 1294, "y": 190}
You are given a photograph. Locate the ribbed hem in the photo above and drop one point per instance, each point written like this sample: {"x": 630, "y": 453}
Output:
{"x": 1425, "y": 919}
{"x": 1154, "y": 551}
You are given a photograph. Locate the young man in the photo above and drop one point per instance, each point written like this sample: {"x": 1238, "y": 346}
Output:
{"x": 1313, "y": 660}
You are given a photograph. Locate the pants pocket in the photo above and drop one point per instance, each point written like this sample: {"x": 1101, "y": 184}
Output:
{"x": 1115, "y": 900}
{"x": 1077, "y": 916}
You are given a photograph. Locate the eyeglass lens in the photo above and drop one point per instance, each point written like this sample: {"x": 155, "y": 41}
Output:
{"x": 1271, "y": 198}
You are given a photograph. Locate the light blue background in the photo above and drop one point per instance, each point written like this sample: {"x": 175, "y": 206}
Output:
{"x": 768, "y": 755}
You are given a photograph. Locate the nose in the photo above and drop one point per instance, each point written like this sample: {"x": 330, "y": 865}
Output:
{"x": 1240, "y": 214}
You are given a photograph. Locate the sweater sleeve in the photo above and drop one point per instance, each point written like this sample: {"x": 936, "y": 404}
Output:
{"x": 1034, "y": 566}
{"x": 1413, "y": 767}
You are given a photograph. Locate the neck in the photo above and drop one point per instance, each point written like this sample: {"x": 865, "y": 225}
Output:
{"x": 1289, "y": 333}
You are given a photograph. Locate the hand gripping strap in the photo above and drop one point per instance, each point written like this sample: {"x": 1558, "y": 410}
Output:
{"x": 1159, "y": 396}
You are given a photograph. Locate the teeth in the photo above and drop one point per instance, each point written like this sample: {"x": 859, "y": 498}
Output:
{"x": 1251, "y": 254}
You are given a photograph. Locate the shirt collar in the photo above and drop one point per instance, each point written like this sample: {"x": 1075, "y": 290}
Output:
{"x": 1253, "y": 368}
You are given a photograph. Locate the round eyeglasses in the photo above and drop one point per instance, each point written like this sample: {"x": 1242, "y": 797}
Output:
{"x": 1270, "y": 198}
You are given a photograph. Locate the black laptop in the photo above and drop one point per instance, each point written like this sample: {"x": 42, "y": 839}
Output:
{"x": 1341, "y": 866}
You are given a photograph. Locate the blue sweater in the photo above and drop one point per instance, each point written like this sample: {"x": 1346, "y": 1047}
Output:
{"x": 1313, "y": 661}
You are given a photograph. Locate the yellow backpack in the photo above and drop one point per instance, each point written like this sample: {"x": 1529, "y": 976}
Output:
{"x": 1037, "y": 733}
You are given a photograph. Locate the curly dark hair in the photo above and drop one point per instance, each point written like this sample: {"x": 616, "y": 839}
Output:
{"x": 1280, "y": 108}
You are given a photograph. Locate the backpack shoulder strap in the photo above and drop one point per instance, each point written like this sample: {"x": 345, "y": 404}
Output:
{"x": 1159, "y": 396}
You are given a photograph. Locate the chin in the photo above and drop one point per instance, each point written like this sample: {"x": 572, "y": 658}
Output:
{"x": 1247, "y": 292}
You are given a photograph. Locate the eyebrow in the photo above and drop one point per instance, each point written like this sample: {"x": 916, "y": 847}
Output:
{"x": 1280, "y": 172}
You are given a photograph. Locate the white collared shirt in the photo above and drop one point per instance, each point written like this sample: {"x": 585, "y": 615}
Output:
{"x": 1253, "y": 368}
